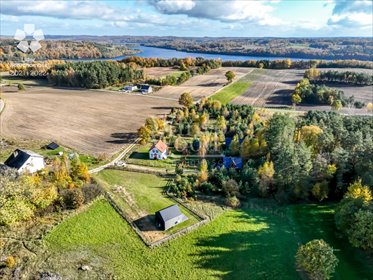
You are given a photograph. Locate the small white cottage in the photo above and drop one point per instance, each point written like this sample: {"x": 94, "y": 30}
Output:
{"x": 158, "y": 150}
{"x": 130, "y": 88}
{"x": 25, "y": 161}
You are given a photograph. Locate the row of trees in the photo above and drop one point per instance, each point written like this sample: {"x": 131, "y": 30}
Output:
{"x": 181, "y": 63}
{"x": 298, "y": 64}
{"x": 98, "y": 74}
{"x": 344, "y": 77}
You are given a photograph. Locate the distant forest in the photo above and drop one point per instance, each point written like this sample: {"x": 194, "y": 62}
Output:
{"x": 75, "y": 47}
{"x": 310, "y": 48}
{"x": 64, "y": 50}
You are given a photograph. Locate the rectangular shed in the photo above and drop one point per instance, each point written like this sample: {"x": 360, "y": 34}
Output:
{"x": 169, "y": 217}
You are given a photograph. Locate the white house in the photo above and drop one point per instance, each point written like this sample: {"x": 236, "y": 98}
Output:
{"x": 130, "y": 88}
{"x": 25, "y": 161}
{"x": 146, "y": 89}
{"x": 158, "y": 151}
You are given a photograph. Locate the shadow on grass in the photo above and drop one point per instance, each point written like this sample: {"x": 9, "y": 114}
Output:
{"x": 146, "y": 223}
{"x": 353, "y": 262}
{"x": 264, "y": 251}
{"x": 138, "y": 155}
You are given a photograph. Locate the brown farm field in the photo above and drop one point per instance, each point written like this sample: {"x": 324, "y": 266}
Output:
{"x": 159, "y": 72}
{"x": 270, "y": 87}
{"x": 273, "y": 88}
{"x": 92, "y": 122}
{"x": 203, "y": 85}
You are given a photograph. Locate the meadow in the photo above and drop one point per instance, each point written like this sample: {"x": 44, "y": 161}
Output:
{"x": 239, "y": 244}
{"x": 140, "y": 195}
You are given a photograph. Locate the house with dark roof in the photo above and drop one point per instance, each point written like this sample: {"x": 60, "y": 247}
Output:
{"x": 145, "y": 88}
{"x": 25, "y": 161}
{"x": 130, "y": 88}
{"x": 169, "y": 217}
{"x": 158, "y": 150}
{"x": 233, "y": 162}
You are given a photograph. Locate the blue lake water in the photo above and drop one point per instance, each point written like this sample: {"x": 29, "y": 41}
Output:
{"x": 167, "y": 53}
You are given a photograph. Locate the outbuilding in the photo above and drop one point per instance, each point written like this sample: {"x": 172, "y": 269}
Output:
{"x": 169, "y": 217}
{"x": 52, "y": 146}
{"x": 25, "y": 161}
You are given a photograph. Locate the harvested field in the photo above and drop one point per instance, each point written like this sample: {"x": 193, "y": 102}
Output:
{"x": 270, "y": 87}
{"x": 273, "y": 88}
{"x": 203, "y": 85}
{"x": 92, "y": 122}
{"x": 159, "y": 72}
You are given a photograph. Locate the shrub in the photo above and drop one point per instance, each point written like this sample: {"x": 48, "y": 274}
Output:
{"x": 10, "y": 262}
{"x": 21, "y": 86}
{"x": 90, "y": 192}
{"x": 317, "y": 259}
{"x": 72, "y": 199}
{"x": 232, "y": 201}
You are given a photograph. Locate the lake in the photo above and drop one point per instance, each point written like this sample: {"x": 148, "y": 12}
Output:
{"x": 167, "y": 53}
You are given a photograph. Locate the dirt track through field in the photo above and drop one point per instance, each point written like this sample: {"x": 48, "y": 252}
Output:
{"x": 93, "y": 122}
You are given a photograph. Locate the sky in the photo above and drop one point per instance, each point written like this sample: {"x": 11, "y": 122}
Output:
{"x": 193, "y": 18}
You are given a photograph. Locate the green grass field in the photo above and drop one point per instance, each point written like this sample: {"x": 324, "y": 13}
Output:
{"x": 146, "y": 192}
{"x": 141, "y": 157}
{"x": 238, "y": 244}
{"x": 242, "y": 244}
{"x": 228, "y": 93}
{"x": 317, "y": 222}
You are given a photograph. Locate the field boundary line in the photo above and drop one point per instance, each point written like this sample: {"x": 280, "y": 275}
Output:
{"x": 220, "y": 89}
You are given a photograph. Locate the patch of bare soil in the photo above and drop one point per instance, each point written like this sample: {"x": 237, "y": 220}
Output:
{"x": 203, "y": 85}
{"x": 92, "y": 122}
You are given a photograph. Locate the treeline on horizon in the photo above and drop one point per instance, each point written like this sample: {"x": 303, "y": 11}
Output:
{"x": 52, "y": 49}
{"x": 99, "y": 74}
{"x": 308, "y": 48}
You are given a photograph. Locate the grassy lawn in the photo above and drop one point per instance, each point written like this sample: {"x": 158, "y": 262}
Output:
{"x": 141, "y": 157}
{"x": 242, "y": 244}
{"x": 228, "y": 93}
{"x": 144, "y": 194}
{"x": 238, "y": 244}
{"x": 37, "y": 147}
{"x": 317, "y": 222}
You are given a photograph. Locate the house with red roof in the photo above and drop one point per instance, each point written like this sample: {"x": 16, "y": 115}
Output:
{"x": 158, "y": 150}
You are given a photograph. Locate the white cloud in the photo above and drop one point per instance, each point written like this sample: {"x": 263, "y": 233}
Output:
{"x": 351, "y": 20}
{"x": 352, "y": 6}
{"x": 352, "y": 14}
{"x": 174, "y": 6}
{"x": 234, "y": 10}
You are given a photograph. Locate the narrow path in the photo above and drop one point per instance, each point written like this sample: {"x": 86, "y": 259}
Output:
{"x": 2, "y": 105}
{"x": 115, "y": 160}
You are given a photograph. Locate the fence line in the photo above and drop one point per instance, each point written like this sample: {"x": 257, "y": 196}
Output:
{"x": 203, "y": 220}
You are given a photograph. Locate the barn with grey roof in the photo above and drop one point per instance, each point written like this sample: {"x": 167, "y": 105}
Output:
{"x": 169, "y": 217}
